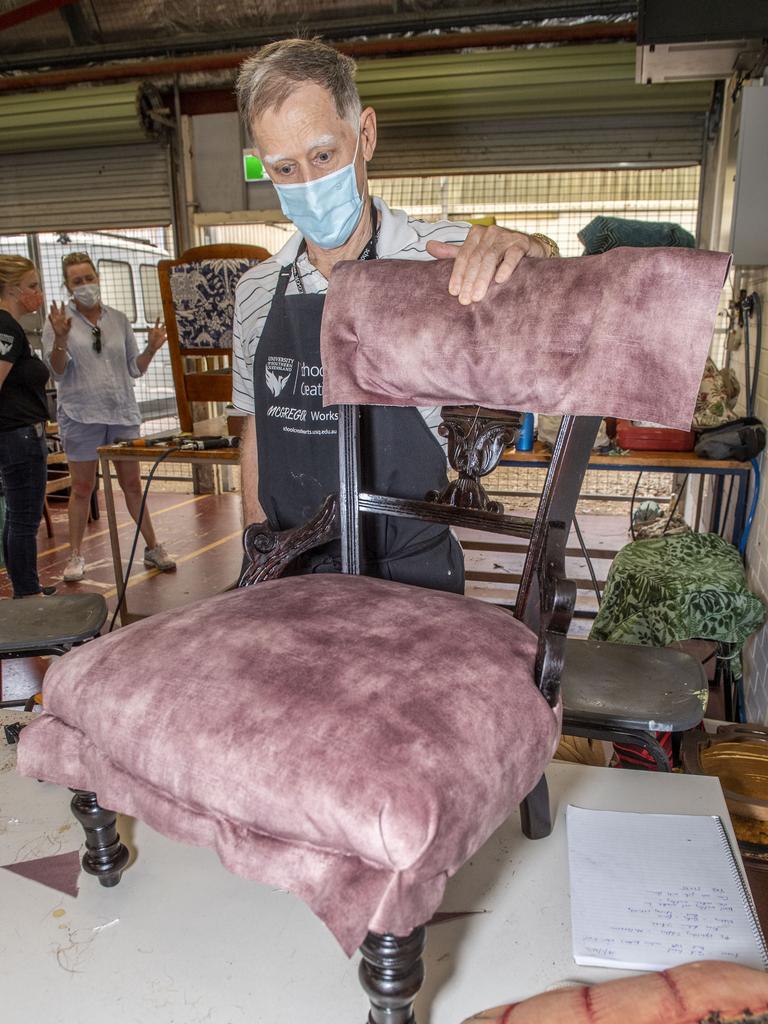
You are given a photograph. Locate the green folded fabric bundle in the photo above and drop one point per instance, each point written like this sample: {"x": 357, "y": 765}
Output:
{"x": 604, "y": 233}
{"x": 677, "y": 588}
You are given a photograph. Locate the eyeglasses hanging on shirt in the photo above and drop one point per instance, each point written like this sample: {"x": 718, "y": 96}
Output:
{"x": 96, "y": 332}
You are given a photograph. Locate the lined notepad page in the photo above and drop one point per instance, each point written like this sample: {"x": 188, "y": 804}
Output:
{"x": 650, "y": 891}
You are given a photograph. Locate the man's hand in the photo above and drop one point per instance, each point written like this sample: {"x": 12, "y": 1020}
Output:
{"x": 486, "y": 254}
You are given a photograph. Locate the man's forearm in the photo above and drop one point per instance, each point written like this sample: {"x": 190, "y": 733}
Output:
{"x": 249, "y": 475}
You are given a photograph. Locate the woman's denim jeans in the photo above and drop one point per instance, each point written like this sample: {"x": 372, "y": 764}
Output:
{"x": 23, "y": 471}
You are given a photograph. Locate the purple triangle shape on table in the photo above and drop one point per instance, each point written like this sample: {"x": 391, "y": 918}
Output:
{"x": 60, "y": 872}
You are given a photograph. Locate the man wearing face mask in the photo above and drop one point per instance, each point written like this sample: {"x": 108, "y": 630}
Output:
{"x": 299, "y": 101}
{"x": 94, "y": 357}
{"x": 23, "y": 414}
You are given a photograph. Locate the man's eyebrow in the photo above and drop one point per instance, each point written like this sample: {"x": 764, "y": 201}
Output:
{"x": 322, "y": 140}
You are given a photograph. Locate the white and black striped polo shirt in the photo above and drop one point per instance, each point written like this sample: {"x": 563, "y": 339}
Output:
{"x": 400, "y": 237}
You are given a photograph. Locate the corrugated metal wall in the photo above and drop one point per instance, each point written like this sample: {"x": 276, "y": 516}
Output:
{"x": 660, "y": 140}
{"x": 539, "y": 81}
{"x": 81, "y": 158}
{"x": 74, "y": 118}
{"x": 80, "y": 189}
{"x": 564, "y": 106}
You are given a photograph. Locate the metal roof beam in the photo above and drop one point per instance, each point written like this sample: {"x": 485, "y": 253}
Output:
{"x": 27, "y": 12}
{"x": 81, "y": 31}
{"x": 332, "y": 29}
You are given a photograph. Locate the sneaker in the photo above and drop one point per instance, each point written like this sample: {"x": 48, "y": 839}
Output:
{"x": 74, "y": 570}
{"x": 157, "y": 558}
{"x": 47, "y": 591}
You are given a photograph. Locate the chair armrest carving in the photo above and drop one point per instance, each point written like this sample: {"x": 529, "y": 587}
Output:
{"x": 272, "y": 551}
{"x": 476, "y": 441}
{"x": 557, "y": 602}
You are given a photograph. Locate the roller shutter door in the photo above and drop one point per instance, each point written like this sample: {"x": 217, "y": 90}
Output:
{"x": 71, "y": 190}
{"x": 545, "y": 107}
{"x": 83, "y": 158}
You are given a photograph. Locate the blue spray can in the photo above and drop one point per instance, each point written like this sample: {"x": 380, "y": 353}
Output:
{"x": 525, "y": 436}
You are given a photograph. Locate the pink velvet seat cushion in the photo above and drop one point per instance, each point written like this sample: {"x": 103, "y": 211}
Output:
{"x": 350, "y": 739}
{"x": 622, "y": 334}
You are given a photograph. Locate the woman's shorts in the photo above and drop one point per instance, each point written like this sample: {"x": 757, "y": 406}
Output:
{"x": 81, "y": 440}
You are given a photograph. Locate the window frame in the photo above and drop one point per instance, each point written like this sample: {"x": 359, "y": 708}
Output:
{"x": 101, "y": 260}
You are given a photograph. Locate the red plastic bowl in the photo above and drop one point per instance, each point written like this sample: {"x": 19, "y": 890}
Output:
{"x": 653, "y": 439}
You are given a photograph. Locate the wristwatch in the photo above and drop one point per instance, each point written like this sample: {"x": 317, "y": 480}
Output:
{"x": 549, "y": 244}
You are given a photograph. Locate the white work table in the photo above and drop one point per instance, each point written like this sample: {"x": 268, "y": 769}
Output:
{"x": 182, "y": 941}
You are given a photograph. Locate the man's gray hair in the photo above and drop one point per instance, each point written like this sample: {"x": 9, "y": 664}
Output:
{"x": 267, "y": 79}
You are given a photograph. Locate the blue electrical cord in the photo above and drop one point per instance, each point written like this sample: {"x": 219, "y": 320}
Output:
{"x": 751, "y": 516}
{"x": 751, "y": 305}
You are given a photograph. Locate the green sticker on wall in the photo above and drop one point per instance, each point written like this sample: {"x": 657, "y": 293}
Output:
{"x": 253, "y": 168}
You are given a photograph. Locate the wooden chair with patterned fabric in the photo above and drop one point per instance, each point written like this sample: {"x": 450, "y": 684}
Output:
{"x": 198, "y": 292}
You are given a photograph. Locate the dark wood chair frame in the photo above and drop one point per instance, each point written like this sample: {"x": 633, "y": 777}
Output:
{"x": 391, "y": 969}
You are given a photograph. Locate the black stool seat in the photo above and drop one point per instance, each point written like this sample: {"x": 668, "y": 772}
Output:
{"x": 41, "y": 625}
{"x": 627, "y": 693}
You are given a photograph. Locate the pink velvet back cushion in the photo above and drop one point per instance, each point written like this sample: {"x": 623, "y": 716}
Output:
{"x": 623, "y": 334}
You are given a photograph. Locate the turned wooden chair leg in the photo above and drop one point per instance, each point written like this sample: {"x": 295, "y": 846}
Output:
{"x": 105, "y": 856}
{"x": 392, "y": 972}
{"x": 535, "y": 816}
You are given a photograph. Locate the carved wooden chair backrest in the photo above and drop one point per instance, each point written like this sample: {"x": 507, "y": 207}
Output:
{"x": 477, "y": 439}
{"x": 198, "y": 294}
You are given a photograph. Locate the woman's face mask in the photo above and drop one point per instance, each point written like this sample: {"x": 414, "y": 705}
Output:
{"x": 88, "y": 295}
{"x": 30, "y": 295}
{"x": 326, "y": 211}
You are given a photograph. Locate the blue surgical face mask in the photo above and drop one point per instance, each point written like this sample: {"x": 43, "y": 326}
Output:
{"x": 326, "y": 211}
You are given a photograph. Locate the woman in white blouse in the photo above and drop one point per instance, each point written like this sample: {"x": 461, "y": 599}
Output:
{"x": 93, "y": 355}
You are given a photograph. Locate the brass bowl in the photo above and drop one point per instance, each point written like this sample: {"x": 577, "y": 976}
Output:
{"x": 738, "y": 756}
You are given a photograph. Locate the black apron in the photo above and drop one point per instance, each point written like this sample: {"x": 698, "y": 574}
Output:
{"x": 298, "y": 457}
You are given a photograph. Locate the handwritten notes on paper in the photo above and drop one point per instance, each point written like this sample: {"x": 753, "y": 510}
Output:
{"x": 650, "y": 891}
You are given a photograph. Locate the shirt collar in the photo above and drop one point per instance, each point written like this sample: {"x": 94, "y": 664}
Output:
{"x": 395, "y": 234}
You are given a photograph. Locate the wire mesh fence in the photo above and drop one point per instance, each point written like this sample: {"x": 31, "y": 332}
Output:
{"x": 126, "y": 262}
{"x": 557, "y": 203}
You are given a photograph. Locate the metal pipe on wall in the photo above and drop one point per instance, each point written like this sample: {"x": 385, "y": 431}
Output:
{"x": 501, "y": 38}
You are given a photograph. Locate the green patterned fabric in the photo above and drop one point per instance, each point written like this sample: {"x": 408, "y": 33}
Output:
{"x": 677, "y": 588}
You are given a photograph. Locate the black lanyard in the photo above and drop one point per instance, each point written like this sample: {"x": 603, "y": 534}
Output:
{"x": 368, "y": 253}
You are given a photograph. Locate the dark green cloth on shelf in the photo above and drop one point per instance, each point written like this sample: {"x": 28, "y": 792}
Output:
{"x": 678, "y": 588}
{"x": 604, "y": 233}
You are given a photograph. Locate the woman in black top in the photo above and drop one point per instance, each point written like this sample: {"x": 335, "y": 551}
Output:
{"x": 23, "y": 414}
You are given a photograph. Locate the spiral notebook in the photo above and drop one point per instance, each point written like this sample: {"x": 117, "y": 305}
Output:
{"x": 650, "y": 891}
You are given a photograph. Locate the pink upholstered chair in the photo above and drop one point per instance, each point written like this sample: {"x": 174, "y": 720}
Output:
{"x": 365, "y": 737}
